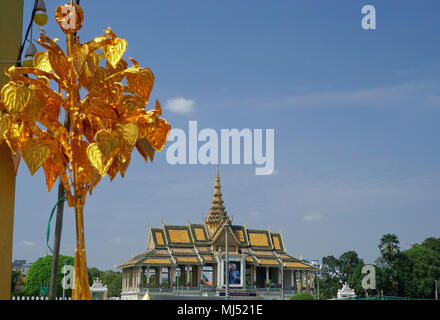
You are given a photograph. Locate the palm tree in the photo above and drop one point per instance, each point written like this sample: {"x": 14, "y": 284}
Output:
{"x": 389, "y": 248}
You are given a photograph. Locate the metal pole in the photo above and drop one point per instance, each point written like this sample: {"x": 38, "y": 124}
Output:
{"x": 57, "y": 241}
{"x": 227, "y": 263}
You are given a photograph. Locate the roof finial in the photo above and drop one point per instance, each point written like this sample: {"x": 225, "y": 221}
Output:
{"x": 217, "y": 213}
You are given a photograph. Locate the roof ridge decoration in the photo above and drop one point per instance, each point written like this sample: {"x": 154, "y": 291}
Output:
{"x": 190, "y": 231}
{"x": 198, "y": 255}
{"x": 217, "y": 214}
{"x": 171, "y": 255}
{"x": 150, "y": 242}
{"x": 252, "y": 254}
{"x": 167, "y": 241}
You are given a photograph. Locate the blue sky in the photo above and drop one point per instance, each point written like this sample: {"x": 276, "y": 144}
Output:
{"x": 355, "y": 117}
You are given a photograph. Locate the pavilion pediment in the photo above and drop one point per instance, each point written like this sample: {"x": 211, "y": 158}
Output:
{"x": 219, "y": 238}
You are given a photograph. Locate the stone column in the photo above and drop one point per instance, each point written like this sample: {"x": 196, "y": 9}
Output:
{"x": 182, "y": 276}
{"x": 156, "y": 276}
{"x": 267, "y": 277}
{"x": 254, "y": 276}
{"x": 173, "y": 276}
{"x": 187, "y": 276}
{"x": 199, "y": 275}
{"x": 159, "y": 276}
{"x": 296, "y": 279}
{"x": 251, "y": 277}
{"x": 214, "y": 275}
{"x": 136, "y": 278}
{"x": 139, "y": 278}
{"x": 280, "y": 277}
{"x": 133, "y": 278}
{"x": 192, "y": 277}
{"x": 302, "y": 279}
{"x": 292, "y": 279}
{"x": 148, "y": 277}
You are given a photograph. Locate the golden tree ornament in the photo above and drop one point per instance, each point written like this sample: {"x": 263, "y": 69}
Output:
{"x": 106, "y": 124}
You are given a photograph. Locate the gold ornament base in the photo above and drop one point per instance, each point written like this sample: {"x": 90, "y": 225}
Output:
{"x": 81, "y": 289}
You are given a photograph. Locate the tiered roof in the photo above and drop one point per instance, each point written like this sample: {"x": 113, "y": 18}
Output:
{"x": 173, "y": 245}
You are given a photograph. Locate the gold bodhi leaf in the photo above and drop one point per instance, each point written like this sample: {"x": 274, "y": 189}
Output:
{"x": 98, "y": 160}
{"x": 141, "y": 82}
{"x": 80, "y": 55}
{"x": 114, "y": 52}
{"x": 59, "y": 63}
{"x": 34, "y": 154}
{"x": 15, "y": 97}
{"x": 145, "y": 149}
{"x": 51, "y": 172}
{"x": 130, "y": 133}
{"x": 107, "y": 142}
{"x": 5, "y": 124}
{"x": 41, "y": 61}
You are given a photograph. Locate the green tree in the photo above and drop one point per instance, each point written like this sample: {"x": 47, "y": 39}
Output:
{"x": 389, "y": 248}
{"x": 39, "y": 275}
{"x": 15, "y": 278}
{"x": 425, "y": 269}
{"x": 112, "y": 279}
{"x": 348, "y": 262}
{"x": 335, "y": 271}
{"x": 93, "y": 274}
{"x": 409, "y": 273}
{"x": 432, "y": 243}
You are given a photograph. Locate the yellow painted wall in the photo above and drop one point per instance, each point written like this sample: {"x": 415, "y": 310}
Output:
{"x": 11, "y": 21}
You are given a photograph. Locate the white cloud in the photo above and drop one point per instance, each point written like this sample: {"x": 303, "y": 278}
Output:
{"x": 26, "y": 243}
{"x": 180, "y": 105}
{"x": 380, "y": 96}
{"x": 312, "y": 217}
{"x": 399, "y": 95}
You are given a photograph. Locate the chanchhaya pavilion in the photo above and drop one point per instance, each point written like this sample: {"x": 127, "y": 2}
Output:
{"x": 190, "y": 259}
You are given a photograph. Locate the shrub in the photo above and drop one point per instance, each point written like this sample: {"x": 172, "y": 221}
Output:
{"x": 39, "y": 275}
{"x": 302, "y": 296}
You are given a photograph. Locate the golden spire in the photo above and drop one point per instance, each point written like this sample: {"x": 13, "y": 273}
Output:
{"x": 217, "y": 213}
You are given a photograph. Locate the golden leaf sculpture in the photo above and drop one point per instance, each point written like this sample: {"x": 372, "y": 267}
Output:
{"x": 114, "y": 52}
{"x": 104, "y": 99}
{"x": 34, "y": 154}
